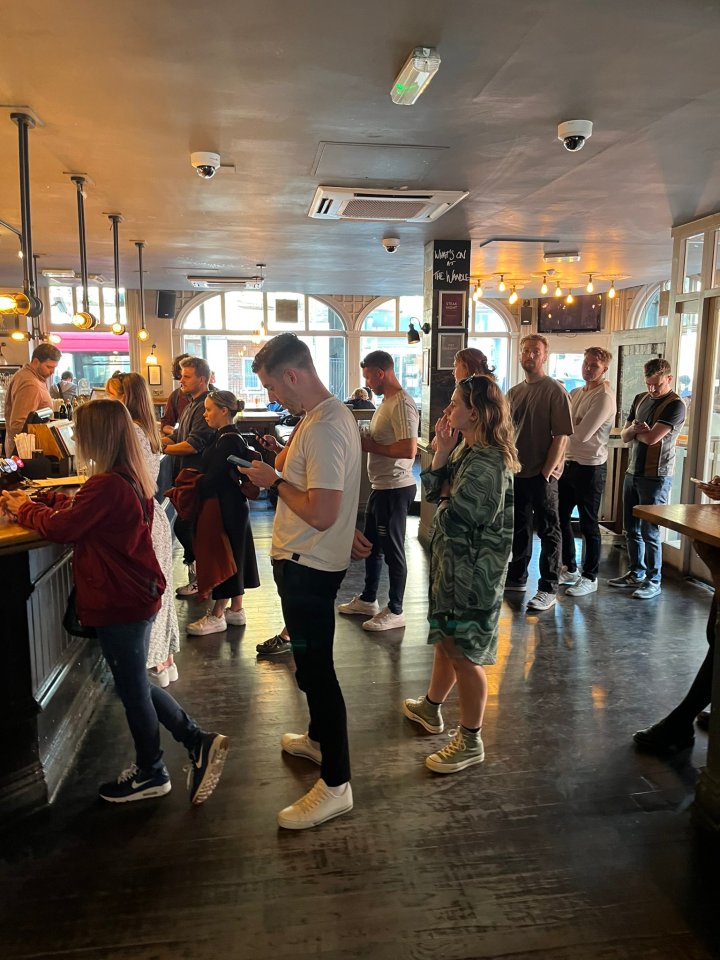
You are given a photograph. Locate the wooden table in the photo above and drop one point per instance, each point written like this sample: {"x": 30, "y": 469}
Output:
{"x": 701, "y": 523}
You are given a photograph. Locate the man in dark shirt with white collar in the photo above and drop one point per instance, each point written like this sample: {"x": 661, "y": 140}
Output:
{"x": 187, "y": 443}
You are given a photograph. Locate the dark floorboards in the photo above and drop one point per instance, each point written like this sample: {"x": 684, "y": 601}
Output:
{"x": 564, "y": 845}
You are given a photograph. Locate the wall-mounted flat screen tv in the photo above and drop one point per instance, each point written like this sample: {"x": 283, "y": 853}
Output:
{"x": 583, "y": 315}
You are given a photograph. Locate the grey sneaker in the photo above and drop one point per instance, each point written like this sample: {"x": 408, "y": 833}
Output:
{"x": 542, "y": 601}
{"x": 274, "y": 646}
{"x": 356, "y": 607}
{"x": 427, "y": 714}
{"x": 647, "y": 590}
{"x": 568, "y": 578}
{"x": 300, "y": 745}
{"x": 628, "y": 580}
{"x": 464, "y": 750}
{"x": 582, "y": 587}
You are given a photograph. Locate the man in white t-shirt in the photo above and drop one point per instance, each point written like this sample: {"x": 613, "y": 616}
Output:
{"x": 583, "y": 479}
{"x": 391, "y": 445}
{"x": 313, "y": 540}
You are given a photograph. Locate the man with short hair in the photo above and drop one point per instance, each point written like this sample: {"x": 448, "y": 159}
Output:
{"x": 651, "y": 431}
{"x": 583, "y": 479}
{"x": 541, "y": 412}
{"x": 391, "y": 445}
{"x": 28, "y": 391}
{"x": 65, "y": 389}
{"x": 312, "y": 544}
{"x": 176, "y": 402}
{"x": 187, "y": 443}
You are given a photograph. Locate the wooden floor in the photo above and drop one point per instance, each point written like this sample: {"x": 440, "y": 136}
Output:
{"x": 564, "y": 845}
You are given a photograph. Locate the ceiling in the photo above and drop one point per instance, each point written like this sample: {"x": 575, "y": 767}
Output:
{"x": 297, "y": 94}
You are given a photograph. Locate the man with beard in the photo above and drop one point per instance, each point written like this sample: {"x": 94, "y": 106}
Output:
{"x": 541, "y": 412}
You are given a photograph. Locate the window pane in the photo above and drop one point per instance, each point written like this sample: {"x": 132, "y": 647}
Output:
{"x": 322, "y": 317}
{"x": 411, "y": 308}
{"x": 567, "y": 368}
{"x": 94, "y": 298}
{"x": 692, "y": 279}
{"x": 61, "y": 304}
{"x": 212, "y": 313}
{"x": 330, "y": 362}
{"x": 278, "y": 326}
{"x": 716, "y": 261}
{"x": 406, "y": 357}
{"x": 382, "y": 317}
{"x": 488, "y": 320}
{"x": 244, "y": 310}
{"x": 497, "y": 351}
{"x": 108, "y": 296}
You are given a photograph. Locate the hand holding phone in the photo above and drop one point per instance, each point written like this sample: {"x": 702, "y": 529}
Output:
{"x": 238, "y": 461}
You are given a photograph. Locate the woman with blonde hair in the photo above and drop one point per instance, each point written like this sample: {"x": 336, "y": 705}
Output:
{"x": 118, "y": 590}
{"x": 470, "y": 548}
{"x": 469, "y": 361}
{"x": 165, "y": 633}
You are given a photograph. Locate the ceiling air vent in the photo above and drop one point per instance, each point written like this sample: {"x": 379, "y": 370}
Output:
{"x": 401, "y": 206}
{"x": 210, "y": 283}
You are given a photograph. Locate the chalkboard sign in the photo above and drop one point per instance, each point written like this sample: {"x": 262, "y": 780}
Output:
{"x": 451, "y": 265}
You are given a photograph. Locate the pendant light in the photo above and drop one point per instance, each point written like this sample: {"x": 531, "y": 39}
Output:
{"x": 118, "y": 327}
{"x": 501, "y": 286}
{"x": 590, "y": 285}
{"x": 83, "y": 319}
{"x": 513, "y": 298}
{"x": 558, "y": 290}
{"x": 612, "y": 292}
{"x": 569, "y": 298}
{"x": 544, "y": 287}
{"x": 142, "y": 334}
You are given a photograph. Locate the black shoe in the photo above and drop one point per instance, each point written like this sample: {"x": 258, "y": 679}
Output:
{"x": 702, "y": 720}
{"x": 274, "y": 646}
{"x": 659, "y": 738}
{"x": 133, "y": 784}
{"x": 207, "y": 760}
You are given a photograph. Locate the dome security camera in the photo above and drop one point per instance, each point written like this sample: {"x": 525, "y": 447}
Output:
{"x": 391, "y": 244}
{"x": 206, "y": 164}
{"x": 574, "y": 133}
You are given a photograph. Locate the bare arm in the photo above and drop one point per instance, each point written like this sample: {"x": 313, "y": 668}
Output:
{"x": 399, "y": 450}
{"x": 318, "y": 507}
{"x": 655, "y": 434}
{"x": 555, "y": 456}
{"x": 628, "y": 432}
{"x": 181, "y": 449}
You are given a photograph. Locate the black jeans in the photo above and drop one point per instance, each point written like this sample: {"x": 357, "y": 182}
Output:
{"x": 581, "y": 486}
{"x": 125, "y": 647}
{"x": 385, "y": 522}
{"x": 308, "y": 604}
{"x": 536, "y": 499}
{"x": 184, "y": 531}
{"x": 700, "y": 693}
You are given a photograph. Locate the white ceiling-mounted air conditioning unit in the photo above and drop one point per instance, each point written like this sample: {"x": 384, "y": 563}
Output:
{"x": 399, "y": 206}
{"x": 209, "y": 283}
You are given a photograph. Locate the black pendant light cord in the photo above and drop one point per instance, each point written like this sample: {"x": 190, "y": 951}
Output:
{"x": 80, "y": 183}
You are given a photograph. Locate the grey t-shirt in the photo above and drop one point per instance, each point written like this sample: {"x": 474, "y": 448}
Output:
{"x": 540, "y": 411}
{"x": 395, "y": 419}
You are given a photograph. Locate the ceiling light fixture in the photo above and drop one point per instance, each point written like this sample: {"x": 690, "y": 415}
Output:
{"x": 477, "y": 295}
{"x": 26, "y": 303}
{"x": 558, "y": 290}
{"x": 118, "y": 328}
{"x": 417, "y": 72}
{"x": 151, "y": 360}
{"x": 544, "y": 287}
{"x": 590, "y": 285}
{"x": 55, "y": 338}
{"x": 513, "y": 298}
{"x": 83, "y": 319}
{"x": 612, "y": 292}
{"x": 143, "y": 334}
{"x": 569, "y": 298}
{"x": 502, "y": 286}
{"x": 561, "y": 256}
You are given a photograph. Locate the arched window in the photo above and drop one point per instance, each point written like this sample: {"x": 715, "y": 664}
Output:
{"x": 385, "y": 328}
{"x": 656, "y": 306}
{"x": 491, "y": 333}
{"x": 228, "y": 329}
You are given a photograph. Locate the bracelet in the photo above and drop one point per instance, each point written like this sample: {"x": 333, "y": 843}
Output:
{"x": 443, "y": 499}
{"x": 277, "y": 483}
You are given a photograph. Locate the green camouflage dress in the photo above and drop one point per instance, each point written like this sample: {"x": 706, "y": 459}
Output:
{"x": 470, "y": 548}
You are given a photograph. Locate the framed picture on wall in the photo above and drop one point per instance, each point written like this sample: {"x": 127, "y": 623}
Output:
{"x": 451, "y": 308}
{"x": 154, "y": 376}
{"x": 448, "y": 346}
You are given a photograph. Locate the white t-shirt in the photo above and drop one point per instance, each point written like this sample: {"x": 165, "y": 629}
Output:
{"x": 395, "y": 419}
{"x": 324, "y": 455}
{"x": 593, "y": 412}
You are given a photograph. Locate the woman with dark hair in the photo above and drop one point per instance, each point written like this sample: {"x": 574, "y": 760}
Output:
{"x": 221, "y": 480}
{"x": 470, "y": 548}
{"x": 118, "y": 589}
{"x": 471, "y": 361}
{"x": 165, "y": 633}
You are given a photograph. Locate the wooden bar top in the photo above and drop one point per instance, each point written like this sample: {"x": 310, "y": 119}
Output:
{"x": 14, "y": 538}
{"x": 699, "y": 521}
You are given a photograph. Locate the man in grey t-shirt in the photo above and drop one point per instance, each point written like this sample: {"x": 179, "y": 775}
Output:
{"x": 541, "y": 412}
{"x": 391, "y": 446}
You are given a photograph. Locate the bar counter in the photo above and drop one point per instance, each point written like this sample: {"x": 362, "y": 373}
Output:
{"x": 51, "y": 682}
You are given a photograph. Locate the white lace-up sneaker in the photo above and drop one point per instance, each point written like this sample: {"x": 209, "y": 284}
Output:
{"x": 568, "y": 578}
{"x": 385, "y": 620}
{"x": 582, "y": 588}
{"x": 300, "y": 745}
{"x": 207, "y": 624}
{"x": 362, "y": 607}
{"x": 542, "y": 601}
{"x": 317, "y": 806}
{"x": 236, "y": 618}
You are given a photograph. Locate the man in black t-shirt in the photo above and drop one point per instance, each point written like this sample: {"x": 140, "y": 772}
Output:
{"x": 651, "y": 431}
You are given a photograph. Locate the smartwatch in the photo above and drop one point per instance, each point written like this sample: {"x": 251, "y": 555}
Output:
{"x": 277, "y": 483}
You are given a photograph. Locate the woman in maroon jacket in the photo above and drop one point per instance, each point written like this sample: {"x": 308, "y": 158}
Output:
{"x": 118, "y": 589}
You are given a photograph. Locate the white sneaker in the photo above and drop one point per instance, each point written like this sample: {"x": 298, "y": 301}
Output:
{"x": 237, "y": 618}
{"x": 356, "y": 605}
{"x": 385, "y": 620}
{"x": 207, "y": 624}
{"x": 172, "y": 672}
{"x": 161, "y": 677}
{"x": 568, "y": 578}
{"x": 582, "y": 588}
{"x": 300, "y": 745}
{"x": 542, "y": 601}
{"x": 317, "y": 806}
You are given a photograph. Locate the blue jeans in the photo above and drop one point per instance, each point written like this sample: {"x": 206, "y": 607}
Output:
{"x": 643, "y": 539}
{"x": 125, "y": 647}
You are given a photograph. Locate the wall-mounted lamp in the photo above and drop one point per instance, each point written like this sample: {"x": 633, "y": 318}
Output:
{"x": 151, "y": 360}
{"x": 413, "y": 335}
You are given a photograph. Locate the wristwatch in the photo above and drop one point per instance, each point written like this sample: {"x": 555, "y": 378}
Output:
{"x": 277, "y": 483}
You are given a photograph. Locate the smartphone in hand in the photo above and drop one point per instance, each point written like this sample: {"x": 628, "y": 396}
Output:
{"x": 238, "y": 461}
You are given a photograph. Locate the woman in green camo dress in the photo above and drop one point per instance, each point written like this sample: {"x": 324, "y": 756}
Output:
{"x": 471, "y": 543}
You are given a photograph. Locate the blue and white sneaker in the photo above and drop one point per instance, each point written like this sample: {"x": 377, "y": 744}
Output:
{"x": 207, "y": 760}
{"x": 133, "y": 784}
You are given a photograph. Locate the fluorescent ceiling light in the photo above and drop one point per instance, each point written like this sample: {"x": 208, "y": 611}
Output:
{"x": 561, "y": 256}
{"x": 206, "y": 283}
{"x": 417, "y": 72}
{"x": 62, "y": 273}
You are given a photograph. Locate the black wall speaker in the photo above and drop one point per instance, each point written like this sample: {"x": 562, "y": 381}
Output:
{"x": 527, "y": 312}
{"x": 166, "y": 302}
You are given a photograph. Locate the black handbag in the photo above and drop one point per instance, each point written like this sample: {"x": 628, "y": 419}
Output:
{"x": 72, "y": 624}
